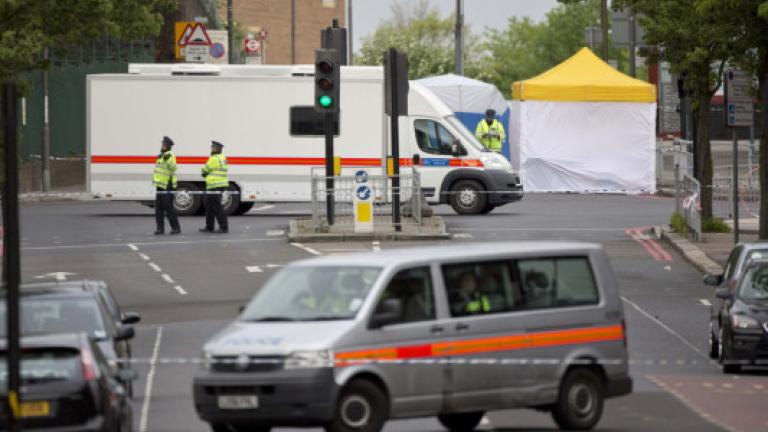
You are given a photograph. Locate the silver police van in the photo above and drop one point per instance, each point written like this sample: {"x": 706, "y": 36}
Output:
{"x": 348, "y": 342}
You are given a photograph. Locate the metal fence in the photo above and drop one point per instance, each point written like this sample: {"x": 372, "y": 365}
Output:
{"x": 749, "y": 191}
{"x": 688, "y": 203}
{"x": 668, "y": 156}
{"x": 344, "y": 187}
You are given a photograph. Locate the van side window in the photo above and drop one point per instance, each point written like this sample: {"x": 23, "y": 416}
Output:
{"x": 482, "y": 288}
{"x": 557, "y": 282}
{"x": 432, "y": 137}
{"x": 413, "y": 287}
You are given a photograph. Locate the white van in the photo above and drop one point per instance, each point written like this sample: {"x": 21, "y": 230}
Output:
{"x": 272, "y": 137}
{"x": 351, "y": 341}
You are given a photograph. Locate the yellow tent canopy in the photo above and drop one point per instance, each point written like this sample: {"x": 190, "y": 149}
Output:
{"x": 584, "y": 78}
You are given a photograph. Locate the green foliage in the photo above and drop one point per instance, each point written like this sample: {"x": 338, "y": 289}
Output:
{"x": 677, "y": 222}
{"x": 714, "y": 225}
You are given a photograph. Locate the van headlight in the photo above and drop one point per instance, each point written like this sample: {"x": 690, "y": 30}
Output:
{"x": 743, "y": 322}
{"x": 309, "y": 360}
{"x": 494, "y": 161}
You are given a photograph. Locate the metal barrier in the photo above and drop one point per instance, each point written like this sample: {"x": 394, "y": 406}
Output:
{"x": 668, "y": 157}
{"x": 688, "y": 203}
{"x": 749, "y": 191}
{"x": 381, "y": 186}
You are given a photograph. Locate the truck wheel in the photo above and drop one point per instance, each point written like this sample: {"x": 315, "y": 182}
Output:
{"x": 362, "y": 407}
{"x": 460, "y": 422}
{"x": 187, "y": 200}
{"x": 230, "y": 202}
{"x": 579, "y": 405}
{"x": 468, "y": 197}
{"x": 244, "y": 207}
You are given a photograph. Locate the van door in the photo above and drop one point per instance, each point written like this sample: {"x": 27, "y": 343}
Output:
{"x": 489, "y": 336}
{"x": 434, "y": 143}
{"x": 417, "y": 385}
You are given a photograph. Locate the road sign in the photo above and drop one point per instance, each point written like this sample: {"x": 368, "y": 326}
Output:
{"x": 218, "y": 49}
{"x": 252, "y": 46}
{"x": 197, "y": 53}
{"x": 739, "y": 108}
{"x": 362, "y": 205}
{"x": 198, "y": 36}
{"x": 183, "y": 30}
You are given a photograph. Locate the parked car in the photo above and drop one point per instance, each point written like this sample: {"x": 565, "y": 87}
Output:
{"x": 61, "y": 308}
{"x": 742, "y": 321}
{"x": 349, "y": 342}
{"x": 68, "y": 386}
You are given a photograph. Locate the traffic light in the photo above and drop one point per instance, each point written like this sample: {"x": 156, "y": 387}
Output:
{"x": 327, "y": 80}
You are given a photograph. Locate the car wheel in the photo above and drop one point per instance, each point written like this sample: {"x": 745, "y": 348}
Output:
{"x": 187, "y": 200}
{"x": 724, "y": 358}
{"x": 362, "y": 407}
{"x": 460, "y": 422}
{"x": 714, "y": 345}
{"x": 580, "y": 402}
{"x": 468, "y": 197}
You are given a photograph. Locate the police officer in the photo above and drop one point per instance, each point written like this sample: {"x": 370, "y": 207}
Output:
{"x": 216, "y": 182}
{"x": 490, "y": 131}
{"x": 165, "y": 181}
{"x": 471, "y": 301}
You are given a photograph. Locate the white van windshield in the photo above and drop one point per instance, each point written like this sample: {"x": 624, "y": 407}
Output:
{"x": 312, "y": 294}
{"x": 466, "y": 135}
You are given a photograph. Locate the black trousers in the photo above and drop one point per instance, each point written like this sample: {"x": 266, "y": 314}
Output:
{"x": 164, "y": 208}
{"x": 214, "y": 210}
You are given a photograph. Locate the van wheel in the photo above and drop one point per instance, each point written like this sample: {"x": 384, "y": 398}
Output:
{"x": 468, "y": 197}
{"x": 461, "y": 422}
{"x": 188, "y": 199}
{"x": 580, "y": 403}
{"x": 362, "y": 407}
{"x": 244, "y": 207}
{"x": 230, "y": 201}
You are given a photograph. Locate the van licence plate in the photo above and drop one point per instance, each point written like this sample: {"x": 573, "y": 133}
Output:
{"x": 35, "y": 409}
{"x": 238, "y": 402}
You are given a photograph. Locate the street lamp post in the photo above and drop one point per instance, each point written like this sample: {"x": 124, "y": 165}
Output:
{"x": 459, "y": 37}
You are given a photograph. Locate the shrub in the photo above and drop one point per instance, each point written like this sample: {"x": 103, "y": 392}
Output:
{"x": 714, "y": 225}
{"x": 677, "y": 221}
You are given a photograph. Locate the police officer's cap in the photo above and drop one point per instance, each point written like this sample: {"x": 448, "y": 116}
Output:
{"x": 168, "y": 141}
{"x": 490, "y": 112}
{"x": 217, "y": 144}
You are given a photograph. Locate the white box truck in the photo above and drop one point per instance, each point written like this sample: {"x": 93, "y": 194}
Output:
{"x": 263, "y": 115}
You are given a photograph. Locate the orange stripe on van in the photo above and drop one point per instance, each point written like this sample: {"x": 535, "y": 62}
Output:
{"x": 245, "y": 160}
{"x": 484, "y": 345}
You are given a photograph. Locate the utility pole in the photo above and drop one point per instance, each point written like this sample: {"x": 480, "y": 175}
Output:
{"x": 293, "y": 31}
{"x": 604, "y": 27}
{"x": 351, "y": 52}
{"x": 11, "y": 254}
{"x": 459, "y": 37}
{"x": 230, "y": 32}
{"x": 45, "y": 154}
{"x": 632, "y": 44}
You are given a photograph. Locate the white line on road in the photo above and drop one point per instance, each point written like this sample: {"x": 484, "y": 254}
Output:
{"x": 167, "y": 278}
{"x": 133, "y": 247}
{"x": 253, "y": 269}
{"x": 536, "y": 229}
{"x": 159, "y": 243}
{"x": 150, "y": 382}
{"x": 306, "y": 249}
{"x": 155, "y": 267}
{"x": 144, "y": 256}
{"x": 180, "y": 290}
{"x": 462, "y": 235}
{"x": 345, "y": 250}
{"x": 264, "y": 207}
{"x": 665, "y": 327}
{"x": 274, "y": 265}
{"x": 275, "y": 233}
{"x": 376, "y": 246}
{"x": 705, "y": 302}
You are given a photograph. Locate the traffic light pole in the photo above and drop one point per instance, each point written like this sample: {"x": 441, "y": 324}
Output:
{"x": 394, "y": 120}
{"x": 329, "y": 171}
{"x": 11, "y": 253}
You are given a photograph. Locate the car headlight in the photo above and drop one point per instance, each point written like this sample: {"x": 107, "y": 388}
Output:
{"x": 309, "y": 360}
{"x": 743, "y": 322}
{"x": 492, "y": 160}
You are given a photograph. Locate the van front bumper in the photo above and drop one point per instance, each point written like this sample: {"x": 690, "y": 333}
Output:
{"x": 303, "y": 397}
{"x": 504, "y": 186}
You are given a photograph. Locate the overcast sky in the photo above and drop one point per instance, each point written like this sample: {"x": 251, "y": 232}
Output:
{"x": 478, "y": 14}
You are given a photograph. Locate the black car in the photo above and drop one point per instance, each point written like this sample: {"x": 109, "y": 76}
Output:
{"x": 52, "y": 308}
{"x": 67, "y": 385}
{"x": 741, "y": 323}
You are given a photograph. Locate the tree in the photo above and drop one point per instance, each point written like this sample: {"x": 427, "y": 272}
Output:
{"x": 604, "y": 24}
{"x": 27, "y": 27}
{"x": 696, "y": 43}
{"x": 420, "y": 32}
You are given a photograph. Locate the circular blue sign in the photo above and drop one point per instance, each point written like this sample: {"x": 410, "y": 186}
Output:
{"x": 363, "y": 192}
{"x": 361, "y": 176}
{"x": 216, "y": 50}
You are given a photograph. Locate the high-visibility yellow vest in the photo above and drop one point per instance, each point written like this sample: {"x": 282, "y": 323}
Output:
{"x": 165, "y": 171}
{"x": 496, "y": 129}
{"x": 215, "y": 172}
{"x": 479, "y": 303}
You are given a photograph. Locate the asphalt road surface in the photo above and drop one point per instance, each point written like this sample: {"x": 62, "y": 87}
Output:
{"x": 187, "y": 287}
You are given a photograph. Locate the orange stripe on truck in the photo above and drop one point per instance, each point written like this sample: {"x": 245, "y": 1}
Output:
{"x": 248, "y": 160}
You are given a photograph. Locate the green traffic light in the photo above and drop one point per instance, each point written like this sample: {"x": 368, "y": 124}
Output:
{"x": 325, "y": 101}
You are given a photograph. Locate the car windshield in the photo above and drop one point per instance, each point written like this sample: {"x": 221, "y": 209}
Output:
{"x": 312, "y": 294}
{"x": 754, "y": 284}
{"x": 44, "y": 365}
{"x": 57, "y": 315}
{"x": 466, "y": 134}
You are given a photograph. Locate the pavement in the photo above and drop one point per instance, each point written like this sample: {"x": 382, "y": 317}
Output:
{"x": 188, "y": 287}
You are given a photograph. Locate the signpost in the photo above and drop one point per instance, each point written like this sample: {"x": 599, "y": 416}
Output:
{"x": 395, "y": 104}
{"x": 362, "y": 205}
{"x": 739, "y": 112}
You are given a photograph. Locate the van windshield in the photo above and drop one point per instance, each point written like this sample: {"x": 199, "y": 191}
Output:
{"x": 466, "y": 135}
{"x": 312, "y": 294}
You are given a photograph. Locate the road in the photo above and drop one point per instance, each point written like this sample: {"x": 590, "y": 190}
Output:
{"x": 187, "y": 287}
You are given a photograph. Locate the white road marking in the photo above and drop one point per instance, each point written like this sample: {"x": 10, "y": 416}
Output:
{"x": 159, "y": 243}
{"x": 59, "y": 276}
{"x": 275, "y": 233}
{"x": 665, "y": 327}
{"x": 345, "y": 250}
{"x": 705, "y": 302}
{"x": 144, "y": 256}
{"x": 133, "y": 247}
{"x": 264, "y": 207}
{"x": 536, "y": 229}
{"x": 167, "y": 278}
{"x": 180, "y": 290}
{"x": 155, "y": 267}
{"x": 376, "y": 246}
{"x": 462, "y": 235}
{"x": 305, "y": 248}
{"x": 253, "y": 269}
{"x": 274, "y": 265}
{"x": 150, "y": 382}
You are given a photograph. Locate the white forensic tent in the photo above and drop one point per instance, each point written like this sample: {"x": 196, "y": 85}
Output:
{"x": 583, "y": 126}
{"x": 469, "y": 99}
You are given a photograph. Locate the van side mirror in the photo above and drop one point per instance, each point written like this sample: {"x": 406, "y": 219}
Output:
{"x": 130, "y": 318}
{"x": 723, "y": 293}
{"x": 713, "y": 280}
{"x": 388, "y": 312}
{"x": 457, "y": 149}
{"x": 240, "y": 309}
{"x": 124, "y": 333}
